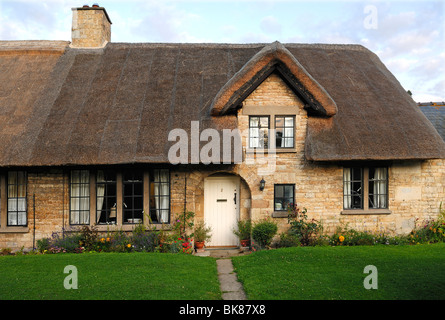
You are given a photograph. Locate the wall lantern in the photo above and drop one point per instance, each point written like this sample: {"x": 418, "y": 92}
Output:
{"x": 262, "y": 184}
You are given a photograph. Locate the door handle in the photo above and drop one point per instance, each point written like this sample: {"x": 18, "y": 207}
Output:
{"x": 234, "y": 197}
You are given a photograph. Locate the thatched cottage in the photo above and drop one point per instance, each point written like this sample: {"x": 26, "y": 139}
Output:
{"x": 114, "y": 134}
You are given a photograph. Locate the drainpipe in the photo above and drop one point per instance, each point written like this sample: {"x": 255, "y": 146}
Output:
{"x": 34, "y": 218}
{"x": 185, "y": 197}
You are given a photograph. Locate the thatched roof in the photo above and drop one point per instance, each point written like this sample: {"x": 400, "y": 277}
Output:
{"x": 62, "y": 106}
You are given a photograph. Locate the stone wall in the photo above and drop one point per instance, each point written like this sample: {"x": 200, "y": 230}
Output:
{"x": 47, "y": 196}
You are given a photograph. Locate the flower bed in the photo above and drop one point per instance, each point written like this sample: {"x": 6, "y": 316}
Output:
{"x": 309, "y": 232}
{"x": 141, "y": 239}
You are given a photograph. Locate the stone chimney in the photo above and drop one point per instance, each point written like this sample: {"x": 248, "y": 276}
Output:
{"x": 91, "y": 27}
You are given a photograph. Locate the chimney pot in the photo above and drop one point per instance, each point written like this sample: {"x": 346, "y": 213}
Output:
{"x": 95, "y": 5}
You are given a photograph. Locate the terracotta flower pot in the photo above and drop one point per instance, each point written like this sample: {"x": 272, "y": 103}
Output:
{"x": 199, "y": 244}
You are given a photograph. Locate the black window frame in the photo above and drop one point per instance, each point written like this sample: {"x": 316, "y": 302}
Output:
{"x": 284, "y": 128}
{"x": 265, "y": 141}
{"x": 135, "y": 212}
{"x": 109, "y": 206}
{"x": 282, "y": 199}
{"x": 152, "y": 196}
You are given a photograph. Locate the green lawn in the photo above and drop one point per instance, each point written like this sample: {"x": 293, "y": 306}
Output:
{"x": 404, "y": 272}
{"x": 118, "y": 276}
{"x": 337, "y": 273}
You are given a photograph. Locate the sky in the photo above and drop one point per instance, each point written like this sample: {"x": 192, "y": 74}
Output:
{"x": 408, "y": 36}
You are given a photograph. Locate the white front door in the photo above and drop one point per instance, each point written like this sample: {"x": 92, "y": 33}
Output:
{"x": 221, "y": 199}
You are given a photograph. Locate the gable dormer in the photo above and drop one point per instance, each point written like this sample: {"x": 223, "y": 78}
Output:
{"x": 274, "y": 59}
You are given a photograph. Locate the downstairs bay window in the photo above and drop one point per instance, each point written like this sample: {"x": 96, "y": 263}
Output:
{"x": 106, "y": 197}
{"x": 123, "y": 197}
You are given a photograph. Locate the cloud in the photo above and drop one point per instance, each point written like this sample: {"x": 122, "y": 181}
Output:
{"x": 270, "y": 24}
{"x": 163, "y": 22}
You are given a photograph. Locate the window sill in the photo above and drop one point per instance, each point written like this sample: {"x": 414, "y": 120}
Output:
{"x": 130, "y": 227}
{"x": 280, "y": 214}
{"x": 369, "y": 211}
{"x": 14, "y": 229}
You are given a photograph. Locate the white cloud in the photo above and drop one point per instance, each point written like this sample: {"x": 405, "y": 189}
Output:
{"x": 270, "y": 24}
{"x": 163, "y": 22}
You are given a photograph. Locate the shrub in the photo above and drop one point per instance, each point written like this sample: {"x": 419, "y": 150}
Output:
{"x": 244, "y": 229}
{"x": 89, "y": 238}
{"x": 288, "y": 240}
{"x": 145, "y": 241}
{"x": 183, "y": 223}
{"x": 120, "y": 242}
{"x": 263, "y": 232}
{"x": 43, "y": 244}
{"x": 350, "y": 237}
{"x": 305, "y": 231}
{"x": 431, "y": 231}
{"x": 178, "y": 245}
{"x": 67, "y": 242}
{"x": 202, "y": 233}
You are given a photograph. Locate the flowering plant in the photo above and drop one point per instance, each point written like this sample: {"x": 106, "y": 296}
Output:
{"x": 302, "y": 228}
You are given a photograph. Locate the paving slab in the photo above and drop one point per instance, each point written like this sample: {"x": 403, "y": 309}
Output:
{"x": 231, "y": 288}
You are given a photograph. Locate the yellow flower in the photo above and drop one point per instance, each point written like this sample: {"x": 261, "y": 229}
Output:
{"x": 341, "y": 238}
{"x": 108, "y": 239}
{"x": 102, "y": 240}
{"x": 129, "y": 245}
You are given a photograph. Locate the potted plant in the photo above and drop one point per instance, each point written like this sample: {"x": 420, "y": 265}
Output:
{"x": 243, "y": 232}
{"x": 201, "y": 234}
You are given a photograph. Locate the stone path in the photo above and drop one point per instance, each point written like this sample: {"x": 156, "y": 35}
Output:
{"x": 231, "y": 288}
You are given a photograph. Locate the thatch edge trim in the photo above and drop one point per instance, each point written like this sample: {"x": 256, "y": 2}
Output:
{"x": 268, "y": 57}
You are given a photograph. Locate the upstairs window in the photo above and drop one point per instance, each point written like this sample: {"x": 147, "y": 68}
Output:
{"x": 16, "y": 190}
{"x": 261, "y": 128}
{"x": 258, "y": 132}
{"x": 284, "y": 131}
